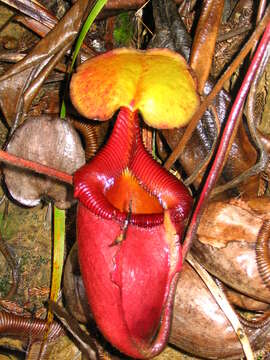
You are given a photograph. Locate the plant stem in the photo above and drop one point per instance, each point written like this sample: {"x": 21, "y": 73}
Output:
{"x": 8, "y": 158}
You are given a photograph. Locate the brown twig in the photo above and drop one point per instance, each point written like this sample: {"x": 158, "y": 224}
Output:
{"x": 87, "y": 344}
{"x": 205, "y": 162}
{"x": 261, "y": 164}
{"x": 233, "y": 33}
{"x": 10, "y": 259}
{"x": 260, "y": 13}
{"x": 34, "y": 11}
{"x": 224, "y": 304}
{"x": 128, "y": 4}
{"x": 14, "y": 57}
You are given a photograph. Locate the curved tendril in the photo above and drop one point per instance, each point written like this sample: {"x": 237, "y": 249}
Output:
{"x": 263, "y": 252}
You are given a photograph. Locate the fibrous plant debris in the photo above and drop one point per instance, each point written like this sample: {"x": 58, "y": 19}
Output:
{"x": 36, "y": 86}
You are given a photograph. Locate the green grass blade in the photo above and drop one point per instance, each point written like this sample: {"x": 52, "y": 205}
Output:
{"x": 59, "y": 232}
{"x": 58, "y": 252}
{"x": 63, "y": 110}
{"x": 89, "y": 21}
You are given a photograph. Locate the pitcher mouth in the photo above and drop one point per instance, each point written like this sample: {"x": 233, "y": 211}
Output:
{"x": 128, "y": 195}
{"x": 123, "y": 180}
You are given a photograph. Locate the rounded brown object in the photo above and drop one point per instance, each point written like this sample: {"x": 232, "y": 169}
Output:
{"x": 48, "y": 141}
{"x": 226, "y": 242}
{"x": 199, "y": 325}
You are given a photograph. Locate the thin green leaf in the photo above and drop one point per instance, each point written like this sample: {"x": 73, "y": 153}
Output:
{"x": 63, "y": 110}
{"x": 58, "y": 254}
{"x": 89, "y": 21}
{"x": 59, "y": 217}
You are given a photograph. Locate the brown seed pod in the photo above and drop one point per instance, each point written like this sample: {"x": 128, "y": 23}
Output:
{"x": 199, "y": 325}
{"x": 226, "y": 243}
{"x": 50, "y": 141}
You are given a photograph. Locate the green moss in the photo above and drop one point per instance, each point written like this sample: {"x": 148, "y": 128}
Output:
{"x": 41, "y": 260}
{"x": 8, "y": 225}
{"x": 24, "y": 259}
{"x": 4, "y": 286}
{"x": 123, "y": 31}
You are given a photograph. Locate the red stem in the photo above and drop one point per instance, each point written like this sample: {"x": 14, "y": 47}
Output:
{"x": 225, "y": 141}
{"x": 36, "y": 167}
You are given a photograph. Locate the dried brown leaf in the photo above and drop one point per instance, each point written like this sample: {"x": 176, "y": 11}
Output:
{"x": 15, "y": 90}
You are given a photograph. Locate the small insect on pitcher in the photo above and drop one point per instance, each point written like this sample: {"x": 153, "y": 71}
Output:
{"x": 131, "y": 211}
